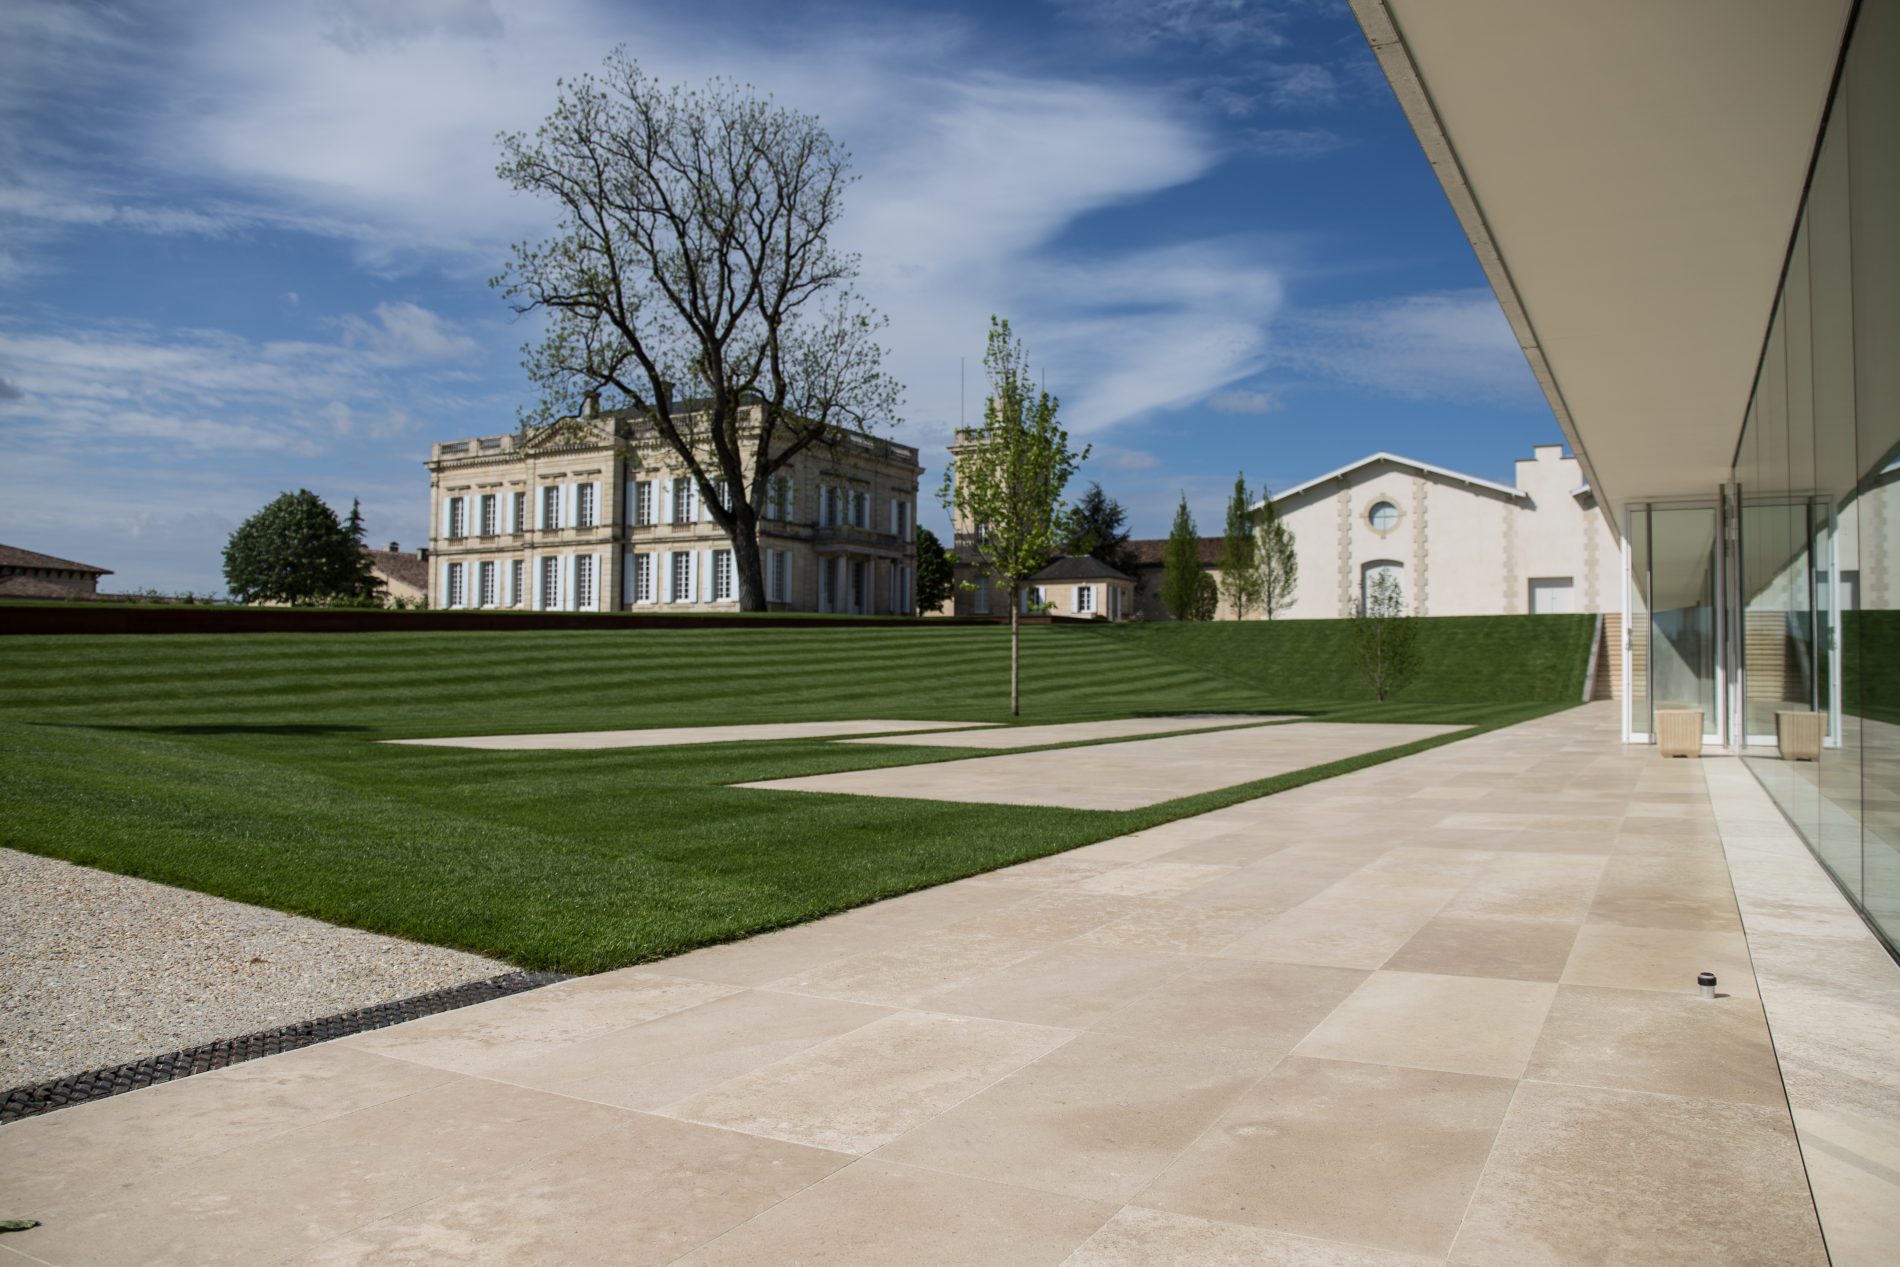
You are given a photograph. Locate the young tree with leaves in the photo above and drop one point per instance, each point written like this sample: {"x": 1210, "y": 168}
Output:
{"x": 1005, "y": 480}
{"x": 1240, "y": 580}
{"x": 1385, "y": 639}
{"x": 1100, "y": 531}
{"x": 692, "y": 261}
{"x": 936, "y": 572}
{"x": 1279, "y": 561}
{"x": 1184, "y": 586}
{"x": 295, "y": 551}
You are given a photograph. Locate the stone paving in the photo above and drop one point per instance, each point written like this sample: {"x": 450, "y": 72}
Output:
{"x": 1078, "y": 732}
{"x": 1440, "y": 1010}
{"x": 1120, "y": 776}
{"x": 665, "y": 736}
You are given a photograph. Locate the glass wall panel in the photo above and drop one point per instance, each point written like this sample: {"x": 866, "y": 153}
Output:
{"x": 1819, "y": 471}
{"x": 1672, "y": 601}
{"x": 1636, "y": 626}
{"x": 1872, "y": 99}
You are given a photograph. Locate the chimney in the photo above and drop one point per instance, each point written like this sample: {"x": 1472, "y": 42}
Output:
{"x": 422, "y": 552}
{"x": 590, "y": 403}
{"x": 666, "y": 397}
{"x": 394, "y": 548}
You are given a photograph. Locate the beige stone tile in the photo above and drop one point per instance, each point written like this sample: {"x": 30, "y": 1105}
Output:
{"x": 482, "y": 1037}
{"x": 904, "y": 970}
{"x": 1058, "y": 871}
{"x": 1853, "y": 1165}
{"x": 101, "y": 1145}
{"x": 1098, "y": 1117}
{"x": 1269, "y": 888}
{"x": 1260, "y": 1008}
{"x": 1470, "y": 1025}
{"x": 1587, "y": 1175}
{"x": 286, "y": 1195}
{"x": 1051, "y": 915}
{"x": 1237, "y": 848}
{"x": 1835, "y": 1009}
{"x": 1532, "y": 886}
{"x": 1138, "y": 1237}
{"x": 1672, "y": 1044}
{"x": 772, "y": 956}
{"x": 1153, "y": 879}
{"x": 1339, "y": 932}
{"x": 1666, "y": 959}
{"x": 1068, "y": 986}
{"x": 675, "y": 1056}
{"x": 928, "y": 910}
{"x": 1173, "y": 927}
{"x": 880, "y": 1214}
{"x": 1489, "y": 946}
{"x": 643, "y": 1192}
{"x": 1692, "y": 905}
{"x": 1377, "y": 1155}
{"x": 865, "y": 1088}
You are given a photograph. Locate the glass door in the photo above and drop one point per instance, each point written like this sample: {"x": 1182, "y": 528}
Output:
{"x": 1673, "y": 645}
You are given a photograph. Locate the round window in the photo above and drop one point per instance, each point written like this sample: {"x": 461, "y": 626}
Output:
{"x": 1383, "y": 516}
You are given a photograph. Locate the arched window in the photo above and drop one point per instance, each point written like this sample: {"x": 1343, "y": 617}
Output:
{"x": 1369, "y": 575}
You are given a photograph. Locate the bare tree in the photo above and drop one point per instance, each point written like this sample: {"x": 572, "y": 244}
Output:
{"x": 692, "y": 262}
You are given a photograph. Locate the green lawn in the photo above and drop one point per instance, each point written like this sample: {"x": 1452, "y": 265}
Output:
{"x": 242, "y": 765}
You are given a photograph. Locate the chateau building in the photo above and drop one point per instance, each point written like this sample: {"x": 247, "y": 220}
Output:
{"x": 597, "y": 513}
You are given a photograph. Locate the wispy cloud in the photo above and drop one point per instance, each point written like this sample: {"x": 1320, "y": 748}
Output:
{"x": 1242, "y": 402}
{"x": 1293, "y": 142}
{"x": 1449, "y": 345}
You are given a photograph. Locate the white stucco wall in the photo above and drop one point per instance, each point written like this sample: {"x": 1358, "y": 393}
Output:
{"x": 1463, "y": 549}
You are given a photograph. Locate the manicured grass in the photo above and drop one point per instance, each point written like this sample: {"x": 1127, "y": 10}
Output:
{"x": 241, "y": 765}
{"x": 1509, "y": 660}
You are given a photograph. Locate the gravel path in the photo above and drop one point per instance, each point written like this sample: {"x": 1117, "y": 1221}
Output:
{"x": 100, "y": 969}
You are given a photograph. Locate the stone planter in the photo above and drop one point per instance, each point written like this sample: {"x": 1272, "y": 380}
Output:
{"x": 1799, "y": 735}
{"x": 1679, "y": 732}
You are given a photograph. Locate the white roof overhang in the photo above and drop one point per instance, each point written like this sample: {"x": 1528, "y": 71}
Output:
{"x": 1629, "y": 173}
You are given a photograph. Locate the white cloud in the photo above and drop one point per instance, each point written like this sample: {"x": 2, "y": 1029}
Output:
{"x": 1303, "y": 86}
{"x": 1293, "y": 142}
{"x": 407, "y": 334}
{"x": 1446, "y": 345}
{"x": 1220, "y": 24}
{"x": 1242, "y": 402}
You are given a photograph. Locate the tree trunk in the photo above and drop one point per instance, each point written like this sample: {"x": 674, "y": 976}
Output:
{"x": 1015, "y": 652}
{"x": 747, "y": 560}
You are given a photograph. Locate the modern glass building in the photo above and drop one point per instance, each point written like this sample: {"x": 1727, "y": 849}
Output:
{"x": 1690, "y": 212}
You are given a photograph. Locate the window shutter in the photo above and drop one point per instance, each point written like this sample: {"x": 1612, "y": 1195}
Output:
{"x": 600, "y": 582}
{"x": 447, "y": 503}
{"x": 600, "y": 504}
{"x": 507, "y": 510}
{"x": 442, "y": 588}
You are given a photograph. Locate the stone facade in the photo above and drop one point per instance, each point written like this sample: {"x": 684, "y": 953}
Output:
{"x": 599, "y": 514}
{"x": 1457, "y": 545}
{"x": 30, "y": 574}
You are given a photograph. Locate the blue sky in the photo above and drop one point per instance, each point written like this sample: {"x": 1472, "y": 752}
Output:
{"x": 245, "y": 247}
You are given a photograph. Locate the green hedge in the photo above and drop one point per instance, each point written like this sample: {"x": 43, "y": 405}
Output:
{"x": 1467, "y": 659}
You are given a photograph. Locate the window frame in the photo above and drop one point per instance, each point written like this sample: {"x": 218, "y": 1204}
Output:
{"x": 585, "y": 505}
{"x": 550, "y": 507}
{"x": 724, "y": 577}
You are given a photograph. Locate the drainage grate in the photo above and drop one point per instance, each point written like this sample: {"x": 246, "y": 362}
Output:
{"x": 97, "y": 1084}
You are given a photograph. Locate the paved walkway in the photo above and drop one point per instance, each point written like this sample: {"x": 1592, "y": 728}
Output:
{"x": 1438, "y": 1010}
{"x": 666, "y": 736}
{"x": 1077, "y": 732}
{"x": 1126, "y": 775}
